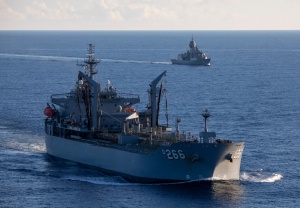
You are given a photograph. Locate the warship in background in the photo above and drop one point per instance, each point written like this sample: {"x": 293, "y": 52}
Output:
{"x": 193, "y": 56}
{"x": 99, "y": 127}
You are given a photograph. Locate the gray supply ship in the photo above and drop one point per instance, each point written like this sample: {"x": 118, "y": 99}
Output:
{"x": 193, "y": 56}
{"x": 99, "y": 127}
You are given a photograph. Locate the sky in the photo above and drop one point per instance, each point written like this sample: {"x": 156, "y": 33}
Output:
{"x": 149, "y": 14}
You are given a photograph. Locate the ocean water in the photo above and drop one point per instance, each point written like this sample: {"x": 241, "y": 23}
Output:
{"x": 252, "y": 89}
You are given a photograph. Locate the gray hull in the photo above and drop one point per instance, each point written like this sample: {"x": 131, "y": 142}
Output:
{"x": 202, "y": 62}
{"x": 99, "y": 128}
{"x": 175, "y": 162}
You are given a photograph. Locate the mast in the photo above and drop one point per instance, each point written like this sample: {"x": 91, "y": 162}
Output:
{"x": 91, "y": 61}
{"x": 205, "y": 115}
{"x": 92, "y": 94}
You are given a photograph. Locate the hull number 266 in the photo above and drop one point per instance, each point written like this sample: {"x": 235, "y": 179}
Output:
{"x": 173, "y": 154}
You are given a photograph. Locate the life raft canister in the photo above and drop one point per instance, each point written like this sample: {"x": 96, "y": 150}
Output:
{"x": 48, "y": 111}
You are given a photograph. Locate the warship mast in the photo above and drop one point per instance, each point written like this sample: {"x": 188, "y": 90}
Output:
{"x": 94, "y": 92}
{"x": 91, "y": 61}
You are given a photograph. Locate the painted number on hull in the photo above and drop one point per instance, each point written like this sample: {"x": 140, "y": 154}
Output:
{"x": 173, "y": 154}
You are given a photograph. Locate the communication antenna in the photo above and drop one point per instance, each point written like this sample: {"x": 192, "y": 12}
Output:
{"x": 90, "y": 61}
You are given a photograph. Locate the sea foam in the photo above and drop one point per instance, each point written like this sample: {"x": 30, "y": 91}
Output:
{"x": 259, "y": 176}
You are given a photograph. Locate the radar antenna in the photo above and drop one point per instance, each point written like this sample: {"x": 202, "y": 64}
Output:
{"x": 90, "y": 61}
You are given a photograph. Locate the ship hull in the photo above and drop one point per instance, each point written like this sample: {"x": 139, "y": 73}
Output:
{"x": 169, "y": 163}
{"x": 202, "y": 62}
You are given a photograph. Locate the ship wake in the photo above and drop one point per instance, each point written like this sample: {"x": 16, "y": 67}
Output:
{"x": 135, "y": 61}
{"x": 260, "y": 176}
{"x": 68, "y": 59}
{"x": 39, "y": 57}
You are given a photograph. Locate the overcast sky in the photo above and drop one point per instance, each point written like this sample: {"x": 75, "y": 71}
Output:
{"x": 149, "y": 14}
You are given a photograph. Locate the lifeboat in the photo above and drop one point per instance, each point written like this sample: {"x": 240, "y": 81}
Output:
{"x": 48, "y": 111}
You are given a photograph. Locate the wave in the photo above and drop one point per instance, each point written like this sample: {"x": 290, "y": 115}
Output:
{"x": 40, "y": 164}
{"x": 21, "y": 140}
{"x": 62, "y": 58}
{"x": 260, "y": 176}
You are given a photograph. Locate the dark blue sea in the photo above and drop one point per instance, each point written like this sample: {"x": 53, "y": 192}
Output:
{"x": 252, "y": 90}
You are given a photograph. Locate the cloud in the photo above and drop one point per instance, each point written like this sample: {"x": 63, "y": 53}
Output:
{"x": 152, "y": 12}
{"x": 52, "y": 10}
{"x": 110, "y": 4}
{"x": 9, "y": 14}
{"x": 129, "y": 10}
{"x": 149, "y": 14}
{"x": 115, "y": 16}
